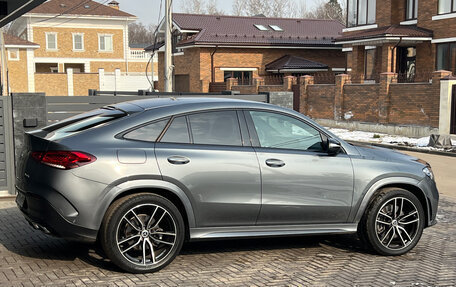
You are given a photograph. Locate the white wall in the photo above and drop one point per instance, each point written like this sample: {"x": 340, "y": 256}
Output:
{"x": 123, "y": 82}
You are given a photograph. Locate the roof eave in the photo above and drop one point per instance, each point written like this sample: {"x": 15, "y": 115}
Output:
{"x": 260, "y": 45}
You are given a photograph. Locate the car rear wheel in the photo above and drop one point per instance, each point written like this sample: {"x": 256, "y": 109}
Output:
{"x": 393, "y": 223}
{"x": 142, "y": 233}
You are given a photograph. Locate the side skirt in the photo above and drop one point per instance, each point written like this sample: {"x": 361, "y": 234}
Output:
{"x": 266, "y": 231}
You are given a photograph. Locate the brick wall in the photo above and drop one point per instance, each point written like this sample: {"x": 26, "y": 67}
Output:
{"x": 360, "y": 103}
{"x": 83, "y": 82}
{"x": 51, "y": 84}
{"x": 17, "y": 69}
{"x": 196, "y": 62}
{"x": 385, "y": 103}
{"x": 91, "y": 45}
{"x": 320, "y": 103}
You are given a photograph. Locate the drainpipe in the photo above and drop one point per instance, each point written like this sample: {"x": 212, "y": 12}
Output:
{"x": 212, "y": 65}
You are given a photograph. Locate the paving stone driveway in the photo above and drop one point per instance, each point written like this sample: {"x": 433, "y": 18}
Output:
{"x": 30, "y": 258}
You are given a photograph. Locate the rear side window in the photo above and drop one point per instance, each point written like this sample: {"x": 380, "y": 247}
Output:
{"x": 177, "y": 132}
{"x": 147, "y": 133}
{"x": 216, "y": 128}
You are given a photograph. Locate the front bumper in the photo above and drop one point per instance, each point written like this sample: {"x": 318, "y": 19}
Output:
{"x": 41, "y": 214}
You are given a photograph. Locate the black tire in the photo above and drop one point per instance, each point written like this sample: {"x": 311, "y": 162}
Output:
{"x": 393, "y": 222}
{"x": 131, "y": 217}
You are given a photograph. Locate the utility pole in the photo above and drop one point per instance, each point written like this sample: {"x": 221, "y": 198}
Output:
{"x": 168, "y": 47}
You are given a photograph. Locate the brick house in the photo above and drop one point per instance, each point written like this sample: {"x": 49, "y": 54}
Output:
{"x": 409, "y": 37}
{"x": 209, "y": 49}
{"x": 79, "y": 44}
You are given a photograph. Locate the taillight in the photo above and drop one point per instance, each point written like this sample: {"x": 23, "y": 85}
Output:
{"x": 64, "y": 159}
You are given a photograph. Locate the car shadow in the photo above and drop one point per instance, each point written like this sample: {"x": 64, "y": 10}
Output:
{"x": 18, "y": 237}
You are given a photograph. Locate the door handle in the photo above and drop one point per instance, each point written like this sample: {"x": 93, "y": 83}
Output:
{"x": 275, "y": 162}
{"x": 178, "y": 160}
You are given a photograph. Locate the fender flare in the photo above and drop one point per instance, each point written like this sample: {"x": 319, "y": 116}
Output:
{"x": 126, "y": 186}
{"x": 361, "y": 207}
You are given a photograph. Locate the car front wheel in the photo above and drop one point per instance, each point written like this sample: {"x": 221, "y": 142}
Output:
{"x": 394, "y": 222}
{"x": 142, "y": 233}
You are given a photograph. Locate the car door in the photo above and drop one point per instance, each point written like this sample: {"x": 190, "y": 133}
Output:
{"x": 301, "y": 184}
{"x": 204, "y": 154}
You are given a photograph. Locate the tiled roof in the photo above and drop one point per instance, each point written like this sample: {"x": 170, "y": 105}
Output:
{"x": 241, "y": 31}
{"x": 388, "y": 31}
{"x": 78, "y": 7}
{"x": 294, "y": 63}
{"x": 16, "y": 41}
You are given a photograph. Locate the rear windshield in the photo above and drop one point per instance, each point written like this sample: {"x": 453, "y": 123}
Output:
{"x": 82, "y": 122}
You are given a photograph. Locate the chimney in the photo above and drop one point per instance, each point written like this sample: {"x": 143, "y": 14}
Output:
{"x": 114, "y": 4}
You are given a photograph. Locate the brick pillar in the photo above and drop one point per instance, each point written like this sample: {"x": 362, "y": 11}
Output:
{"x": 357, "y": 73}
{"x": 388, "y": 58}
{"x": 304, "y": 83}
{"x": 341, "y": 80}
{"x": 230, "y": 82}
{"x": 386, "y": 79}
{"x": 257, "y": 82}
{"x": 288, "y": 83}
{"x": 438, "y": 75}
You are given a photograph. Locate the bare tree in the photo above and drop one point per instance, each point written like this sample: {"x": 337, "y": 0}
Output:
{"x": 238, "y": 8}
{"x": 257, "y": 7}
{"x": 194, "y": 6}
{"x": 211, "y": 8}
{"x": 138, "y": 33}
{"x": 332, "y": 10}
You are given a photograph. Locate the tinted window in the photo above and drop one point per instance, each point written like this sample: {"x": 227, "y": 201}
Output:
{"x": 216, "y": 128}
{"x": 147, "y": 133}
{"x": 279, "y": 131}
{"x": 177, "y": 132}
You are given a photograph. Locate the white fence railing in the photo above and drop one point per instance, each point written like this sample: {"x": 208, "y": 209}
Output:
{"x": 138, "y": 55}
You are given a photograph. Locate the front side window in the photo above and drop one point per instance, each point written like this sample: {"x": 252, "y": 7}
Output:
{"x": 216, "y": 128}
{"x": 284, "y": 132}
{"x": 446, "y": 56}
{"x": 51, "y": 41}
{"x": 13, "y": 54}
{"x": 447, "y": 6}
{"x": 78, "y": 42}
{"x": 105, "y": 43}
{"x": 412, "y": 9}
{"x": 148, "y": 133}
{"x": 361, "y": 12}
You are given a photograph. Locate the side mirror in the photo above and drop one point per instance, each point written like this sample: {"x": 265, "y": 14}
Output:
{"x": 333, "y": 147}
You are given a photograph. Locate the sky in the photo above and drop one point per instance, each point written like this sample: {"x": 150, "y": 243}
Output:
{"x": 148, "y": 10}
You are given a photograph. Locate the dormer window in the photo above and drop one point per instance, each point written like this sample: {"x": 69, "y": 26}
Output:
{"x": 412, "y": 9}
{"x": 361, "y": 12}
{"x": 261, "y": 27}
{"x": 276, "y": 28}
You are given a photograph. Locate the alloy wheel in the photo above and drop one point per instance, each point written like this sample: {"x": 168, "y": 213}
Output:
{"x": 397, "y": 223}
{"x": 146, "y": 235}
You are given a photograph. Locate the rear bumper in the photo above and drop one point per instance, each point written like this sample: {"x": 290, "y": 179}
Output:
{"x": 42, "y": 215}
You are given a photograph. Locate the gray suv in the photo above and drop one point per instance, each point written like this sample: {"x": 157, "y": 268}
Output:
{"x": 142, "y": 177}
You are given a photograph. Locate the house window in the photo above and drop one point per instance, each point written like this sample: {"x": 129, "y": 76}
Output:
{"x": 361, "y": 12}
{"x": 369, "y": 64}
{"x": 446, "y": 56}
{"x": 412, "y": 10}
{"x": 13, "y": 54}
{"x": 51, "y": 41}
{"x": 78, "y": 42}
{"x": 261, "y": 27}
{"x": 447, "y": 6}
{"x": 244, "y": 77}
{"x": 105, "y": 43}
